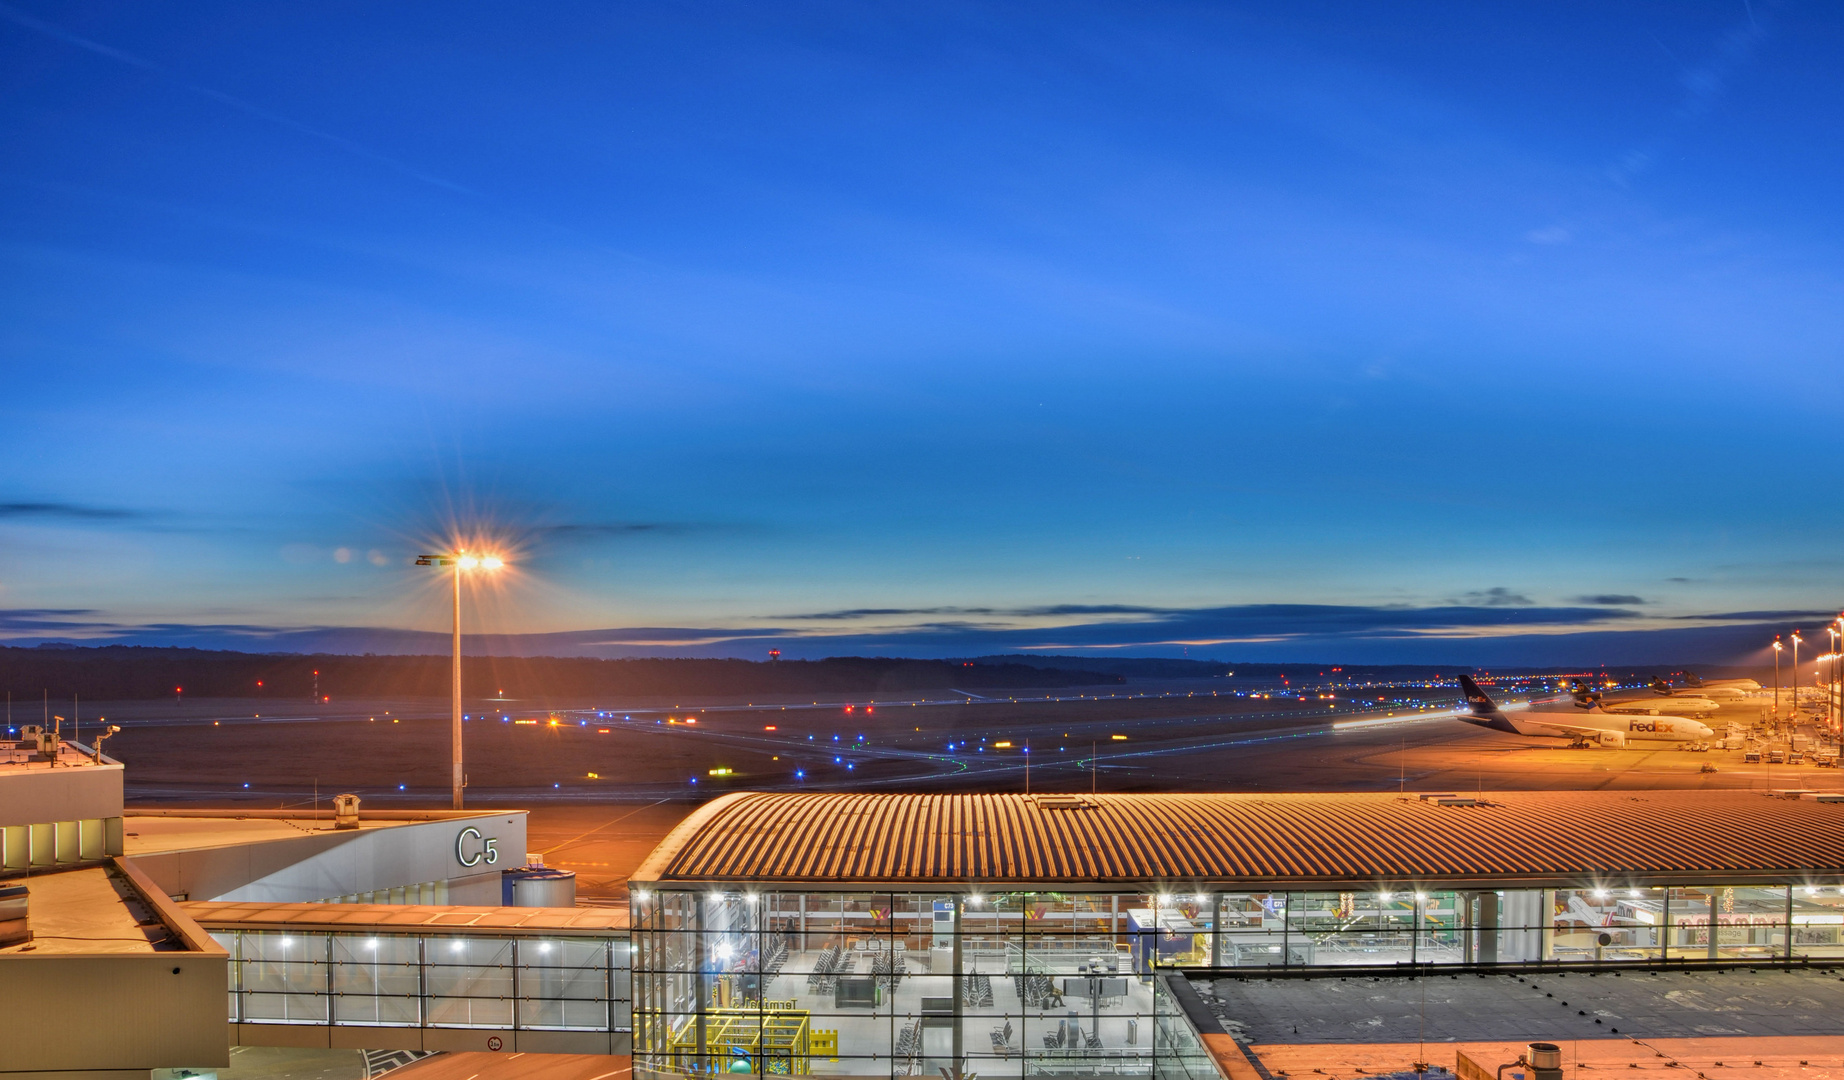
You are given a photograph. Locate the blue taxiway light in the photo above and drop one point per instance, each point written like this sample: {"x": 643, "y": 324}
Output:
{"x": 246, "y": 785}
{"x": 399, "y": 786}
{"x": 800, "y": 774}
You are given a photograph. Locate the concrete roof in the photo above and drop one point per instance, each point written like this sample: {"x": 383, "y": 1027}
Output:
{"x": 87, "y": 912}
{"x": 14, "y": 759}
{"x": 1535, "y": 838}
{"x": 406, "y": 918}
{"x": 147, "y": 831}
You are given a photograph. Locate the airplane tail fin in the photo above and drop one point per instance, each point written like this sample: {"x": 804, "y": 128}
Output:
{"x": 1475, "y": 697}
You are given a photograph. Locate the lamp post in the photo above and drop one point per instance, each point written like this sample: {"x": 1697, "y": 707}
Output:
{"x": 1836, "y": 627}
{"x": 1776, "y": 675}
{"x": 460, "y": 560}
{"x": 1831, "y": 708}
{"x": 1792, "y": 685}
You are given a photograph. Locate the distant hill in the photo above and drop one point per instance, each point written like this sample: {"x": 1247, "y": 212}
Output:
{"x": 1157, "y": 667}
{"x": 124, "y": 672}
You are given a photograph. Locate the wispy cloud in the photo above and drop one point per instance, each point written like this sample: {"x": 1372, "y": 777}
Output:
{"x": 67, "y": 511}
{"x": 1498, "y": 596}
{"x": 121, "y": 56}
{"x": 1758, "y": 616}
{"x": 1703, "y": 85}
{"x": 880, "y": 613}
{"x": 1331, "y": 633}
{"x": 1609, "y": 599}
{"x": 584, "y": 531}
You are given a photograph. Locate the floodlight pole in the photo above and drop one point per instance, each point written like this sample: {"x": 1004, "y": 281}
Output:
{"x": 1777, "y": 648}
{"x": 459, "y": 778}
{"x": 1792, "y": 709}
{"x": 460, "y": 560}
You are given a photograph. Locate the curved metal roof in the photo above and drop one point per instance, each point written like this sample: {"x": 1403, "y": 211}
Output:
{"x": 1562, "y": 837}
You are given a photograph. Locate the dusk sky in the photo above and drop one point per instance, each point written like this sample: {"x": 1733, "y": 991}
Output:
{"x": 1446, "y": 332}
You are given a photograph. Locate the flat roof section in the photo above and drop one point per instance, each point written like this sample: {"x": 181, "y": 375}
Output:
{"x": 406, "y": 918}
{"x": 1258, "y": 840}
{"x": 89, "y": 911}
{"x": 145, "y": 834}
{"x": 147, "y": 831}
{"x": 15, "y": 759}
{"x": 1739, "y": 1003}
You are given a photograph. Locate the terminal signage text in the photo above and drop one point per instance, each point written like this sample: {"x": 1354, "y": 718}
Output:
{"x": 472, "y": 849}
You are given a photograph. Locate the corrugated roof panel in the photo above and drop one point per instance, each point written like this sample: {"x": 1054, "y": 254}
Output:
{"x": 876, "y": 838}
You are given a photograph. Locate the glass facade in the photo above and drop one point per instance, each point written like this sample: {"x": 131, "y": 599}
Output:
{"x": 901, "y": 984}
{"x": 429, "y": 980}
{"x": 892, "y": 984}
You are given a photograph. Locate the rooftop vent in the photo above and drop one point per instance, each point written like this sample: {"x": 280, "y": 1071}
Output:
{"x": 1064, "y": 802}
{"x": 14, "y": 924}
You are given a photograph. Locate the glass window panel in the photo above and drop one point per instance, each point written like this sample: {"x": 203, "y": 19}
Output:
{"x": 229, "y": 940}
{"x": 1441, "y": 938}
{"x": 563, "y": 984}
{"x": 1251, "y": 929}
{"x": 1751, "y": 922}
{"x": 377, "y": 980}
{"x": 284, "y": 977}
{"x": 1818, "y": 921}
{"x": 470, "y": 981}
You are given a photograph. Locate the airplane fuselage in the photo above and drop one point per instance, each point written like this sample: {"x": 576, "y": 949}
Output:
{"x": 1665, "y": 705}
{"x": 1585, "y": 724}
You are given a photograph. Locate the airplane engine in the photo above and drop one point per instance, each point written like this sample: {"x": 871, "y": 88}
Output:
{"x": 1613, "y": 740}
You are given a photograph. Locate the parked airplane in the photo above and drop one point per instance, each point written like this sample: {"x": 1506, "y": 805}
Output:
{"x": 1672, "y": 705}
{"x": 1720, "y": 687}
{"x": 1584, "y": 725}
{"x": 1662, "y": 701}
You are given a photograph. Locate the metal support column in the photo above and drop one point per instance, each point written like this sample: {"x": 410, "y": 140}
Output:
{"x": 1216, "y": 930}
{"x": 1789, "y": 924}
{"x": 702, "y": 988}
{"x": 1715, "y": 925}
{"x": 960, "y": 989}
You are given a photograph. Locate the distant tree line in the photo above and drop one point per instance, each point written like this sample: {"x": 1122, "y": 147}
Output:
{"x": 121, "y": 672}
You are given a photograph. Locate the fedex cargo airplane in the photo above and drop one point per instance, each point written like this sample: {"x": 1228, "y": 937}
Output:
{"x": 1584, "y": 725}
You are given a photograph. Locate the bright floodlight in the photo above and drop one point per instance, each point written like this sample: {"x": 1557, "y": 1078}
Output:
{"x": 468, "y": 562}
{"x": 491, "y": 562}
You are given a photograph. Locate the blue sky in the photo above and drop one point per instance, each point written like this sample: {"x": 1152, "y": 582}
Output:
{"x": 1330, "y": 331}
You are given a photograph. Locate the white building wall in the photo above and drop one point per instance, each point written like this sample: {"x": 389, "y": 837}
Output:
{"x": 339, "y": 862}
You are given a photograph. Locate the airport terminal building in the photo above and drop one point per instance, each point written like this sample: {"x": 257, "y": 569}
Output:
{"x": 853, "y": 935}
